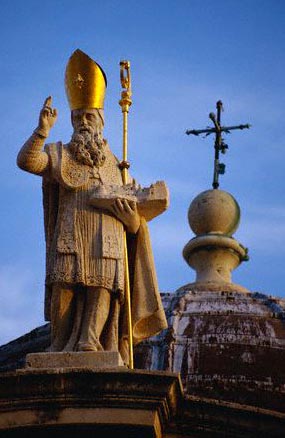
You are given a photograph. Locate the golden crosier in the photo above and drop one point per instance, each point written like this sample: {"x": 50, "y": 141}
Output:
{"x": 125, "y": 103}
{"x": 85, "y": 82}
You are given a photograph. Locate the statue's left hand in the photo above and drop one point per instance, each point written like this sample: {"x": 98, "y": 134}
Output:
{"x": 127, "y": 212}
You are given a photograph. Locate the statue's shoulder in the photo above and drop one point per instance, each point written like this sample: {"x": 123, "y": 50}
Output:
{"x": 54, "y": 151}
{"x": 59, "y": 153}
{"x": 63, "y": 168}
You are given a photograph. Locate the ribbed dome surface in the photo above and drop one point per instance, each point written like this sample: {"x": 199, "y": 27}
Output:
{"x": 226, "y": 345}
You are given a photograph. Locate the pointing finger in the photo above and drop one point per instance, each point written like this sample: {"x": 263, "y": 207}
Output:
{"x": 48, "y": 101}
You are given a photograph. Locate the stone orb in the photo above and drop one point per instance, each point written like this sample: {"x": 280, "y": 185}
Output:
{"x": 214, "y": 211}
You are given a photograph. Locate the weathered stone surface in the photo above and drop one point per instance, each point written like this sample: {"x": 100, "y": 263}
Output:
{"x": 214, "y": 211}
{"x": 151, "y": 201}
{"x": 214, "y": 253}
{"x": 138, "y": 401}
{"x": 226, "y": 345}
{"x": 209, "y": 418}
{"x": 87, "y": 359}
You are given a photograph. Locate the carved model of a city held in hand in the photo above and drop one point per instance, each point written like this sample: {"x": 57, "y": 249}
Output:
{"x": 85, "y": 219}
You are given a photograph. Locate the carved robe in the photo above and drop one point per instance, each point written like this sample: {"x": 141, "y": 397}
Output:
{"x": 85, "y": 245}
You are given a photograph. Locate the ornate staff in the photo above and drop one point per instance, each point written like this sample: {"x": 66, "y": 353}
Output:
{"x": 125, "y": 104}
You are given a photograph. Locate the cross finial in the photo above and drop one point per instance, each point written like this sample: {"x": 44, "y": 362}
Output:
{"x": 220, "y": 146}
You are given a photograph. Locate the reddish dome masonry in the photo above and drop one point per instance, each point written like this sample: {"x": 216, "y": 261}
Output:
{"x": 226, "y": 345}
{"x": 214, "y": 211}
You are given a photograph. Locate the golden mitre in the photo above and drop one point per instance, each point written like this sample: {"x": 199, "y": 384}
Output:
{"x": 85, "y": 82}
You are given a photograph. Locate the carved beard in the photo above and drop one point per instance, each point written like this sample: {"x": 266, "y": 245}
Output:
{"x": 87, "y": 148}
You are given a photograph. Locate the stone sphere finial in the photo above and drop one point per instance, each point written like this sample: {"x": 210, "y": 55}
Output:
{"x": 214, "y": 211}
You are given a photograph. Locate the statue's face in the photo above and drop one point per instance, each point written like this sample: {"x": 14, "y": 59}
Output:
{"x": 87, "y": 144}
{"x": 86, "y": 120}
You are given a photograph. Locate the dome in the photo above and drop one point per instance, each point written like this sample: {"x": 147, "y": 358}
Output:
{"x": 226, "y": 345}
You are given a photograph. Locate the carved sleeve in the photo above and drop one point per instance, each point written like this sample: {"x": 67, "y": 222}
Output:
{"x": 31, "y": 157}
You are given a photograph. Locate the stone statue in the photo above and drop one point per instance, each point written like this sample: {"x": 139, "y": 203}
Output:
{"x": 85, "y": 280}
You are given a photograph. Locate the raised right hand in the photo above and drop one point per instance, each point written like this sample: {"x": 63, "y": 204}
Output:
{"x": 47, "y": 118}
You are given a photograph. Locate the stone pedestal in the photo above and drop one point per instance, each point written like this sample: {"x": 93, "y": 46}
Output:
{"x": 74, "y": 359}
{"x": 74, "y": 401}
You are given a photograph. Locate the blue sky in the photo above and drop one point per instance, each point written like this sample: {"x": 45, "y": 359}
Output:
{"x": 185, "y": 55}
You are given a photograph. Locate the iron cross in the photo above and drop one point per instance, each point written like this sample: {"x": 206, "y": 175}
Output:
{"x": 220, "y": 146}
